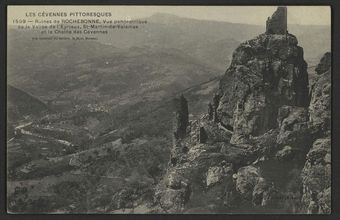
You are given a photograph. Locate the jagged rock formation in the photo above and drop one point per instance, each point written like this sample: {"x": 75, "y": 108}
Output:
{"x": 316, "y": 173}
{"x": 263, "y": 139}
{"x": 293, "y": 126}
{"x": 173, "y": 193}
{"x": 252, "y": 186}
{"x": 266, "y": 73}
{"x": 320, "y": 104}
{"x": 316, "y": 178}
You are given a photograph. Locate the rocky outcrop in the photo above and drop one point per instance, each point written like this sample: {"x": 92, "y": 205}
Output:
{"x": 172, "y": 200}
{"x": 253, "y": 187}
{"x": 264, "y": 194}
{"x": 293, "y": 126}
{"x": 263, "y": 139}
{"x": 216, "y": 174}
{"x": 316, "y": 173}
{"x": 325, "y": 64}
{"x": 265, "y": 74}
{"x": 320, "y": 104}
{"x": 316, "y": 178}
{"x": 285, "y": 153}
{"x": 246, "y": 179}
{"x": 172, "y": 193}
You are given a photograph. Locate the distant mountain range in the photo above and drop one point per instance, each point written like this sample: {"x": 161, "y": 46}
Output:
{"x": 168, "y": 54}
{"x": 165, "y": 30}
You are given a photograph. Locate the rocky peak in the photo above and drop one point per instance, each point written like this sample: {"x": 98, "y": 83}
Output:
{"x": 266, "y": 73}
{"x": 252, "y": 147}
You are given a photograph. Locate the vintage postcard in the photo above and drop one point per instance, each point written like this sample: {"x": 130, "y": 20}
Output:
{"x": 169, "y": 109}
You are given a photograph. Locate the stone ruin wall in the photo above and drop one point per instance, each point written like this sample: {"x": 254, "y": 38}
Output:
{"x": 277, "y": 24}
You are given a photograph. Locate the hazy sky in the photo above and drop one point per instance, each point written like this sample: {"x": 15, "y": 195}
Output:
{"x": 306, "y": 15}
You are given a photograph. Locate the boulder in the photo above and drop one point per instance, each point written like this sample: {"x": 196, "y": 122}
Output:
{"x": 285, "y": 153}
{"x": 246, "y": 179}
{"x": 172, "y": 192}
{"x": 214, "y": 175}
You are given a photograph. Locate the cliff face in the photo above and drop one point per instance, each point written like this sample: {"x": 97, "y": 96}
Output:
{"x": 266, "y": 73}
{"x": 264, "y": 141}
{"x": 316, "y": 173}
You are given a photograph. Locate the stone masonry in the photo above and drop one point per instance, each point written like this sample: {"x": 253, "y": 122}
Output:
{"x": 277, "y": 23}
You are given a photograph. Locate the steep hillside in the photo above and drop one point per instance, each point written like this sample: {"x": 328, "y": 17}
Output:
{"x": 20, "y": 104}
{"x": 136, "y": 74}
{"x": 118, "y": 169}
{"x": 264, "y": 145}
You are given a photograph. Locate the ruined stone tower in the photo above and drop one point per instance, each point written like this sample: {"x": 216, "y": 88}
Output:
{"x": 277, "y": 23}
{"x": 181, "y": 117}
{"x": 257, "y": 84}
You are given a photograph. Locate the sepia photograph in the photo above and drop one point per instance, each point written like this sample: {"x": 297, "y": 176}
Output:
{"x": 127, "y": 109}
